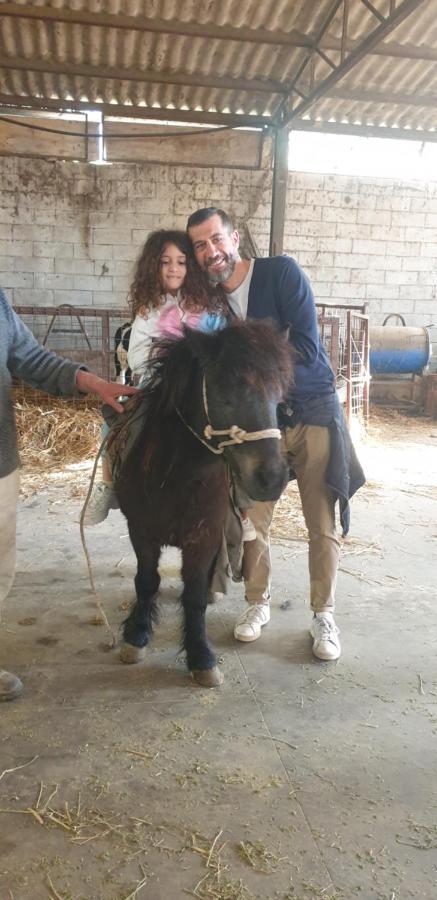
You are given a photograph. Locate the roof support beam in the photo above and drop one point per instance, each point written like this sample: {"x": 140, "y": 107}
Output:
{"x": 308, "y": 58}
{"x": 158, "y": 26}
{"x": 395, "y": 17}
{"x": 146, "y": 76}
{"x": 279, "y": 192}
{"x": 388, "y": 49}
{"x": 216, "y": 32}
{"x": 373, "y": 10}
{"x": 123, "y": 111}
{"x": 391, "y": 98}
{"x": 344, "y": 28}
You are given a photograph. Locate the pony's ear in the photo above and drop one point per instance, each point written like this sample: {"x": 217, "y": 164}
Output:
{"x": 203, "y": 346}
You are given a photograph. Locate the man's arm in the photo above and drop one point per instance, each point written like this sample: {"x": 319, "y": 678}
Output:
{"x": 298, "y": 309}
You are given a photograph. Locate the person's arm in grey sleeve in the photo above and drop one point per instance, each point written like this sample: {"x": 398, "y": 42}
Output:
{"x": 46, "y": 371}
{"x": 36, "y": 365}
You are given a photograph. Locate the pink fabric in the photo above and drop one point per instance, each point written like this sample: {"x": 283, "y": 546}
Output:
{"x": 172, "y": 318}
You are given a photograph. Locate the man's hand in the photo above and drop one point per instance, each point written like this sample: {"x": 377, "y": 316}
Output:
{"x": 108, "y": 391}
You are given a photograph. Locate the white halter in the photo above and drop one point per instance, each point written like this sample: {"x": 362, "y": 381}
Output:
{"x": 236, "y": 434}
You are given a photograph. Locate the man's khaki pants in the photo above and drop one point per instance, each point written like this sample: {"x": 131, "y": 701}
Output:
{"x": 8, "y": 518}
{"x": 307, "y": 448}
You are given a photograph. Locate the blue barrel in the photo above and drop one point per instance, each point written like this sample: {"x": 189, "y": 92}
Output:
{"x": 398, "y": 349}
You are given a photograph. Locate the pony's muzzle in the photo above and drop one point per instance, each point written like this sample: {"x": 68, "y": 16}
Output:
{"x": 261, "y": 469}
{"x": 268, "y": 484}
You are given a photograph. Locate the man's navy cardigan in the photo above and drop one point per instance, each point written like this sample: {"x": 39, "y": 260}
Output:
{"x": 280, "y": 291}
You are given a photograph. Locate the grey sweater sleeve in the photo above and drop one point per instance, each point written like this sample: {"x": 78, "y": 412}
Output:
{"x": 23, "y": 357}
{"x": 31, "y": 362}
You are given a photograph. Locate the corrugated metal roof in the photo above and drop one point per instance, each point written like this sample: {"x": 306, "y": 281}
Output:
{"x": 234, "y": 61}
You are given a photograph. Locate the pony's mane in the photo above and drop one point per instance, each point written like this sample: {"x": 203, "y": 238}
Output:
{"x": 252, "y": 352}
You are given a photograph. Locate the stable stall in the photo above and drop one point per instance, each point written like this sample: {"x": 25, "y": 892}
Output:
{"x": 295, "y": 779}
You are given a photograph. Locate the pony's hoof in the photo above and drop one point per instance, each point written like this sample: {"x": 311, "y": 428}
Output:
{"x": 208, "y": 677}
{"x": 131, "y": 654}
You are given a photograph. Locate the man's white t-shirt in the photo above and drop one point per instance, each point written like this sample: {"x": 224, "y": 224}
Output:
{"x": 238, "y": 299}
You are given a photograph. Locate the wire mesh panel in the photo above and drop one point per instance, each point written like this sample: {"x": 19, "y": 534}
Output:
{"x": 329, "y": 327}
{"x": 357, "y": 365}
{"x": 344, "y": 331}
{"x": 81, "y": 334}
{"x": 78, "y": 333}
{"x": 88, "y": 336}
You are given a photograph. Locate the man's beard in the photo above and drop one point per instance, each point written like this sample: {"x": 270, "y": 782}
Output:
{"x": 224, "y": 274}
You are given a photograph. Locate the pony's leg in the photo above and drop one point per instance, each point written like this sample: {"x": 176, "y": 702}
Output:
{"x": 201, "y": 660}
{"x": 137, "y": 628}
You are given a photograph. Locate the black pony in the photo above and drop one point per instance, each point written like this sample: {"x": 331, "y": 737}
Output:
{"x": 173, "y": 485}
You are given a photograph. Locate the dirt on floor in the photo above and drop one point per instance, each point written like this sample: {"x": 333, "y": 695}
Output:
{"x": 295, "y": 780}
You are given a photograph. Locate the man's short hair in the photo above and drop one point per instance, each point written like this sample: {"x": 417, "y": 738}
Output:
{"x": 202, "y": 215}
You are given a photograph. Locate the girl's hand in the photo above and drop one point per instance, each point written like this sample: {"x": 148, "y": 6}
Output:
{"x": 108, "y": 391}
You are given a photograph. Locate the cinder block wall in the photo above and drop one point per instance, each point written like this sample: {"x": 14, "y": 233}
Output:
{"x": 70, "y": 232}
{"x": 368, "y": 241}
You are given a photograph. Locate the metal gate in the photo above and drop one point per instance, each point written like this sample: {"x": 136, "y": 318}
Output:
{"x": 86, "y": 335}
{"x": 344, "y": 331}
{"x": 82, "y": 334}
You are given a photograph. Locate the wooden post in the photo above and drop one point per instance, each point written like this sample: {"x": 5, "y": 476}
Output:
{"x": 279, "y": 192}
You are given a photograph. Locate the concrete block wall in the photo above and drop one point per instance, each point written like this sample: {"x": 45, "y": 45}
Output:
{"x": 367, "y": 240}
{"x": 70, "y": 232}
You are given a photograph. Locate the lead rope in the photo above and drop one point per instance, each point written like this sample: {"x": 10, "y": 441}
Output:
{"x": 99, "y": 604}
{"x": 98, "y": 601}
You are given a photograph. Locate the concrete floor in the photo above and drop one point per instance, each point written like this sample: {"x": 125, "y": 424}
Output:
{"x": 295, "y": 780}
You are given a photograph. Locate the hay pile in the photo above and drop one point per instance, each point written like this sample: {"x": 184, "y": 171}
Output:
{"x": 54, "y": 435}
{"x": 58, "y": 436}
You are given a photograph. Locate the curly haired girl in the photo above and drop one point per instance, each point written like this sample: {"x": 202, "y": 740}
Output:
{"x": 167, "y": 292}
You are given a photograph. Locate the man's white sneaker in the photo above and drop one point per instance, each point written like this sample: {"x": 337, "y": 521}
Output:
{"x": 101, "y": 501}
{"x": 249, "y": 532}
{"x": 248, "y": 625}
{"x": 324, "y": 632}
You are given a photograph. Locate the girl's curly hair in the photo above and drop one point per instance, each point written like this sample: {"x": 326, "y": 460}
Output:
{"x": 145, "y": 292}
